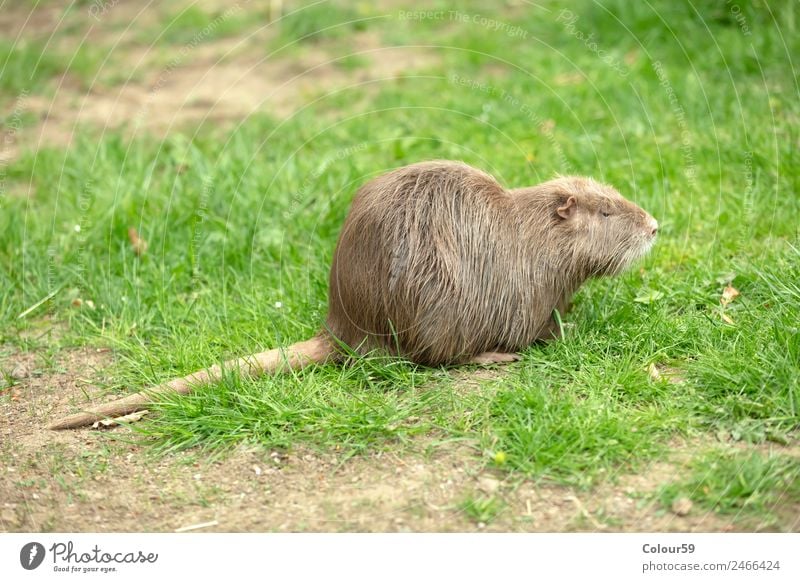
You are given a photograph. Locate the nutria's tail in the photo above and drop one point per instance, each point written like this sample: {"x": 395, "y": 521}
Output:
{"x": 316, "y": 350}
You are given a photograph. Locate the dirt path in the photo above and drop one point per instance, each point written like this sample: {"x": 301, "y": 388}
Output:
{"x": 91, "y": 480}
{"x": 147, "y": 88}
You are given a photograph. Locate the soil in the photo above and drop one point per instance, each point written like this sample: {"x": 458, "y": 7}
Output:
{"x": 144, "y": 89}
{"x": 96, "y": 480}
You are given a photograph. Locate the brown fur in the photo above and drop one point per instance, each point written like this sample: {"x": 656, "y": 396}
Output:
{"x": 438, "y": 263}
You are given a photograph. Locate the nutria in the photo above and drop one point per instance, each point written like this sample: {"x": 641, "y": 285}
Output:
{"x": 440, "y": 264}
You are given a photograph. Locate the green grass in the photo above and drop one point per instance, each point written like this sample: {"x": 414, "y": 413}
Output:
{"x": 481, "y": 509}
{"x": 354, "y": 408}
{"x": 24, "y": 67}
{"x": 32, "y": 66}
{"x": 192, "y": 25}
{"x": 746, "y": 484}
{"x": 241, "y": 225}
{"x": 311, "y": 22}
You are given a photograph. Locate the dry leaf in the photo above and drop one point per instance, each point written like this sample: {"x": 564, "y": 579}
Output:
{"x": 726, "y": 318}
{"x": 112, "y": 422}
{"x": 138, "y": 244}
{"x": 728, "y": 294}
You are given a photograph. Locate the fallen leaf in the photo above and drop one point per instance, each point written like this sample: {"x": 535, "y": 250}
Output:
{"x": 729, "y": 294}
{"x": 112, "y": 422}
{"x": 726, "y": 318}
{"x": 138, "y": 244}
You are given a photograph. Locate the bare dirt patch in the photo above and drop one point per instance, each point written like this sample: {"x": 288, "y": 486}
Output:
{"x": 158, "y": 91}
{"x": 99, "y": 481}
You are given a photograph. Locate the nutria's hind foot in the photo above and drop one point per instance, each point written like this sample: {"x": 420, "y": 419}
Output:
{"x": 494, "y": 358}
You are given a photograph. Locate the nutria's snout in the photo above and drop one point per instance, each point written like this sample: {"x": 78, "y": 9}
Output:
{"x": 647, "y": 238}
{"x": 652, "y": 226}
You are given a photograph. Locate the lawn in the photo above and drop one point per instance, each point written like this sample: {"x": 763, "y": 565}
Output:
{"x": 692, "y": 358}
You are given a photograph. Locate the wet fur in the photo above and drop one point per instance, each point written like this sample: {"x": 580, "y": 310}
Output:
{"x": 438, "y": 262}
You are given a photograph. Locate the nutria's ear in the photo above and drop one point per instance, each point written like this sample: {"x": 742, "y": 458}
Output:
{"x": 569, "y": 209}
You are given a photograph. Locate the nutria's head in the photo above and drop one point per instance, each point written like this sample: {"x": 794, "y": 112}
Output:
{"x": 601, "y": 232}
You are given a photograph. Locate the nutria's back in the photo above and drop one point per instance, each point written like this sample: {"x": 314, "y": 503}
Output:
{"x": 438, "y": 262}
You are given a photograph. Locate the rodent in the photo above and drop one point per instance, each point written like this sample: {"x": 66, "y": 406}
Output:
{"x": 438, "y": 263}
